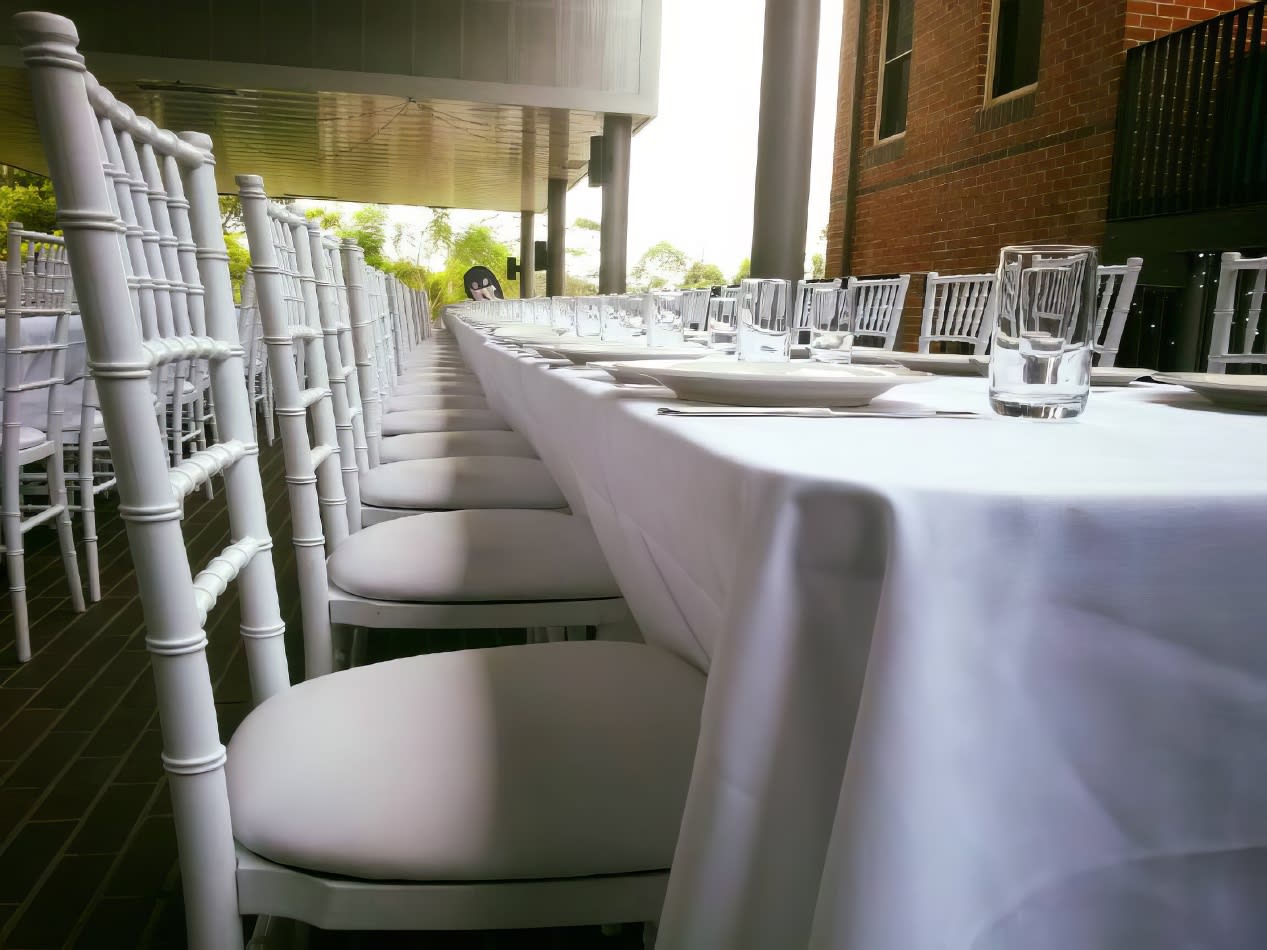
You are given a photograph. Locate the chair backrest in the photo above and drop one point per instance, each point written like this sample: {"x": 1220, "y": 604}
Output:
{"x": 798, "y": 317}
{"x": 877, "y": 308}
{"x": 361, "y": 319}
{"x": 1237, "y": 337}
{"x": 1114, "y": 293}
{"x": 36, "y": 333}
{"x": 78, "y": 121}
{"x": 958, "y": 309}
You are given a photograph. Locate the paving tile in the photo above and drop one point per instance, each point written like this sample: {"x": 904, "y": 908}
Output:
{"x": 76, "y": 789}
{"x": 147, "y": 863}
{"x": 12, "y": 699}
{"x": 14, "y": 805}
{"x": 65, "y": 687}
{"x": 29, "y": 853}
{"x": 6, "y": 912}
{"x": 44, "y": 762}
{"x": 107, "y": 826}
{"x": 118, "y": 921}
{"x": 23, "y": 729}
{"x": 51, "y": 917}
{"x": 143, "y": 763}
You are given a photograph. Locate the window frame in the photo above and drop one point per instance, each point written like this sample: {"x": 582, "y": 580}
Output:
{"x": 992, "y": 39}
{"x": 883, "y": 64}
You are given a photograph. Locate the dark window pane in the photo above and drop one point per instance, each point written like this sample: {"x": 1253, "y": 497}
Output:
{"x": 899, "y": 29}
{"x": 1018, "y": 32}
{"x": 897, "y": 76}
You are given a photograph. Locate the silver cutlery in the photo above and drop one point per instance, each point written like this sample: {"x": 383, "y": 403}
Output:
{"x": 821, "y": 413}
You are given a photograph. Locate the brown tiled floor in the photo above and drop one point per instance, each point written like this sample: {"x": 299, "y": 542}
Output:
{"x": 87, "y": 845}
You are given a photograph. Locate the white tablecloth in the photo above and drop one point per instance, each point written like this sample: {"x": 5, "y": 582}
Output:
{"x": 38, "y": 331}
{"x": 972, "y": 684}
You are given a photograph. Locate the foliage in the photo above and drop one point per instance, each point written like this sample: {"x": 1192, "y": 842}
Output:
{"x": 239, "y": 261}
{"x": 412, "y": 275}
{"x": 579, "y": 287}
{"x": 475, "y": 245}
{"x": 437, "y": 236}
{"x": 661, "y": 265}
{"x": 700, "y": 274}
{"x": 745, "y": 270}
{"x": 368, "y": 229}
{"x": 28, "y": 199}
{"x": 817, "y": 267}
{"x": 328, "y": 220}
{"x": 587, "y": 224}
{"x": 231, "y": 214}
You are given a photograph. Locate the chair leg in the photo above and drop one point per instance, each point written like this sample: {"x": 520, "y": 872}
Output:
{"x": 65, "y": 531}
{"x": 16, "y": 567}
{"x": 341, "y": 638}
{"x": 88, "y": 514}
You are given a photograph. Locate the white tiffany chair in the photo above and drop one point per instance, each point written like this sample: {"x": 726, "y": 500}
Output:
{"x": 799, "y": 316}
{"x": 877, "y": 308}
{"x": 1238, "y": 304}
{"x": 1114, "y": 293}
{"x": 508, "y": 787}
{"x": 958, "y": 309}
{"x": 257, "y": 383}
{"x": 280, "y": 244}
{"x": 474, "y": 561}
{"x": 37, "y": 288}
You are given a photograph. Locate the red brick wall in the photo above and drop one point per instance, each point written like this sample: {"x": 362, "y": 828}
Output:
{"x": 1148, "y": 19}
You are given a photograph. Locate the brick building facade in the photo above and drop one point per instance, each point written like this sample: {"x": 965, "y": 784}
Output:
{"x": 974, "y": 170}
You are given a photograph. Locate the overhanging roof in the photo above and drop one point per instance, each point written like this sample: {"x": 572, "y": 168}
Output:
{"x": 459, "y": 130}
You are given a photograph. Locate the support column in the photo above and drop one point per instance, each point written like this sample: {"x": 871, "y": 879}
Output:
{"x": 556, "y": 230}
{"x": 784, "y": 138}
{"x": 614, "y": 235}
{"x": 527, "y": 254}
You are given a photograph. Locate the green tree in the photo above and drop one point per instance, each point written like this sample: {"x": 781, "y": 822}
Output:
{"x": 368, "y": 229}
{"x": 579, "y": 287}
{"x": 700, "y": 274}
{"x": 661, "y": 265}
{"x": 587, "y": 224}
{"x": 744, "y": 272}
{"x": 476, "y": 245}
{"x": 239, "y": 261}
{"x": 816, "y": 266}
{"x": 327, "y": 219}
{"x": 231, "y": 214}
{"x": 29, "y": 199}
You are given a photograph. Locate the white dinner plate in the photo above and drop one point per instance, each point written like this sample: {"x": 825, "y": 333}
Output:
{"x": 631, "y": 372}
{"x": 590, "y": 351}
{"x": 526, "y": 333}
{"x": 942, "y": 364}
{"x": 1117, "y": 375}
{"x": 774, "y": 384}
{"x": 1231, "y": 392}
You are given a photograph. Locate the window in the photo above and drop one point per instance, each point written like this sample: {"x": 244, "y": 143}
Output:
{"x": 895, "y": 68}
{"x": 1014, "y": 46}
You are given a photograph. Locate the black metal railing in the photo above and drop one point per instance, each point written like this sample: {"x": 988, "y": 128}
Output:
{"x": 1192, "y": 120}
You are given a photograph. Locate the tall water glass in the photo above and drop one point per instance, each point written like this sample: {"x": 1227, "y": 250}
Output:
{"x": 721, "y": 323}
{"x": 590, "y": 315}
{"x": 663, "y": 313}
{"x": 563, "y": 313}
{"x": 762, "y": 321}
{"x": 1040, "y": 364}
{"x": 623, "y": 321}
{"x": 830, "y": 322}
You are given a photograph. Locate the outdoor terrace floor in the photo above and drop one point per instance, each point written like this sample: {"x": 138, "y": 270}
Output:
{"x": 87, "y": 842}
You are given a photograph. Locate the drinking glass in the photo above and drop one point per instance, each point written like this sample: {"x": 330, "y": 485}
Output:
{"x": 562, "y": 314}
{"x": 623, "y": 321}
{"x": 721, "y": 323}
{"x": 762, "y": 321}
{"x": 830, "y": 322}
{"x": 590, "y": 315}
{"x": 1040, "y": 364}
{"x": 663, "y": 313}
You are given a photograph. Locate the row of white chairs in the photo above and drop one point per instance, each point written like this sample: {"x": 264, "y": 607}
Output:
{"x": 959, "y": 309}
{"x": 505, "y": 787}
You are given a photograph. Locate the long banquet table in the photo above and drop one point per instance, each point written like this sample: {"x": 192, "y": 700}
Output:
{"x": 971, "y": 684}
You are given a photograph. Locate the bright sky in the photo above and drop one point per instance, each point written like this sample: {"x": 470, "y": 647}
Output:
{"x": 693, "y": 167}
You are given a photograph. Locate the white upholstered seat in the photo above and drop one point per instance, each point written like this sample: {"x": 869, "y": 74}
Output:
{"x": 483, "y": 481}
{"x": 440, "y": 387}
{"x": 28, "y": 436}
{"x": 474, "y": 556}
{"x": 404, "y": 403}
{"x": 495, "y": 764}
{"x": 464, "y": 442}
{"x": 440, "y": 420}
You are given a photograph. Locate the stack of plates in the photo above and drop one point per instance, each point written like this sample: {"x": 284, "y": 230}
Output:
{"x": 1230, "y": 392}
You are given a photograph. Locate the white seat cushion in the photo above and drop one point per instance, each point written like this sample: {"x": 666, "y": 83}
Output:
{"x": 440, "y": 420}
{"x": 485, "y": 481}
{"x": 400, "y": 403}
{"x": 430, "y": 445}
{"x": 474, "y": 556}
{"x": 511, "y": 763}
{"x": 28, "y": 436}
{"x": 440, "y": 387}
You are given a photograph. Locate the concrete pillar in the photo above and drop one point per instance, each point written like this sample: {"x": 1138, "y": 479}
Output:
{"x": 527, "y": 254}
{"x": 614, "y": 236}
{"x": 556, "y": 229}
{"x": 784, "y": 138}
